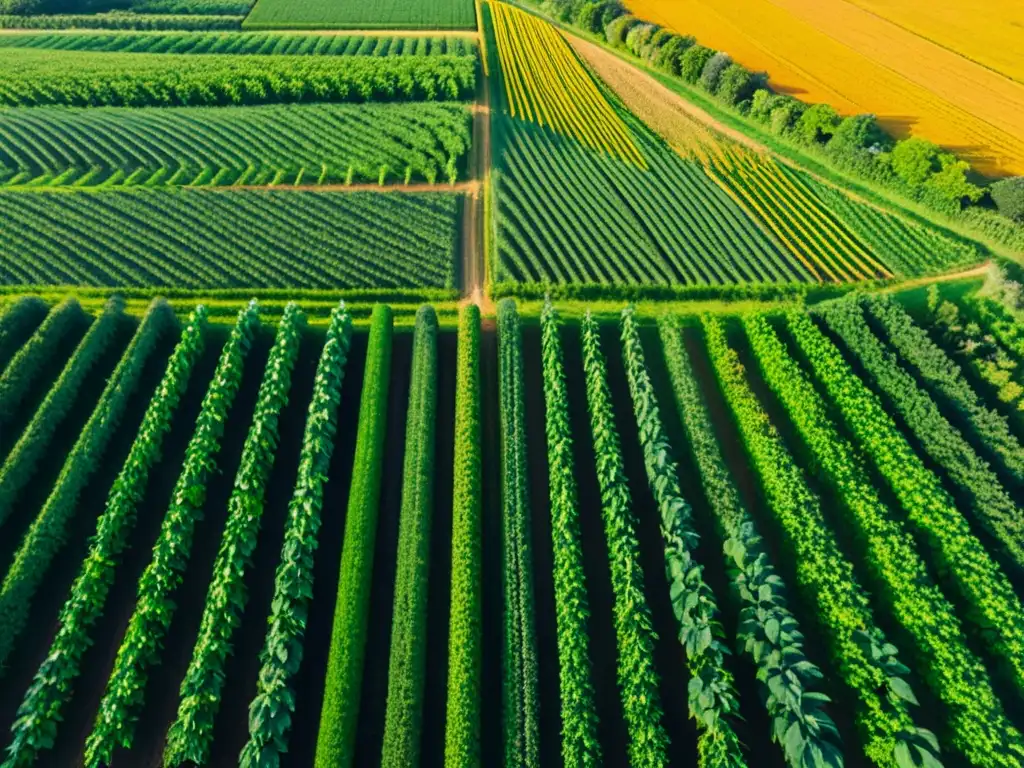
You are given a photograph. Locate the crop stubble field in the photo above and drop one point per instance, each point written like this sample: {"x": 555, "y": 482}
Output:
{"x": 782, "y": 531}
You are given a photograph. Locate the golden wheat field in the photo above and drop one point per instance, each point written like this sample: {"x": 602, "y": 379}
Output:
{"x": 836, "y": 52}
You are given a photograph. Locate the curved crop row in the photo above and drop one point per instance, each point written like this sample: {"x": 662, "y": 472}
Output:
{"x": 713, "y": 700}
{"x": 866, "y": 662}
{"x": 993, "y": 508}
{"x": 962, "y": 560}
{"x": 18, "y": 377}
{"x": 17, "y": 323}
{"x": 580, "y": 746}
{"x": 465, "y": 639}
{"x": 140, "y": 648}
{"x": 39, "y": 715}
{"x": 945, "y": 376}
{"x": 48, "y": 532}
{"x": 768, "y": 630}
{"x": 73, "y": 78}
{"x": 519, "y": 651}
{"x": 403, "y": 720}
{"x": 638, "y": 678}
{"x": 191, "y": 734}
{"x": 20, "y": 465}
{"x": 270, "y": 712}
{"x": 978, "y": 727}
{"x": 339, "y": 717}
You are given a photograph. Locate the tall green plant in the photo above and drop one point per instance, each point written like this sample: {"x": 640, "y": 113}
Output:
{"x": 403, "y": 720}
{"x": 580, "y": 746}
{"x": 123, "y": 699}
{"x": 768, "y": 631}
{"x": 191, "y": 734}
{"x": 634, "y": 629}
{"x": 462, "y": 724}
{"x": 270, "y": 712}
{"x": 519, "y": 659}
{"x": 339, "y": 717}
{"x": 37, "y": 722}
{"x": 16, "y": 324}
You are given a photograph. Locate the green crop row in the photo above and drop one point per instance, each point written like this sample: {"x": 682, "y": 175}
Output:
{"x": 993, "y": 508}
{"x": 18, "y": 378}
{"x": 123, "y": 699}
{"x": 339, "y": 717}
{"x": 191, "y": 734}
{"x": 634, "y": 630}
{"x": 961, "y": 560}
{"x": 712, "y": 696}
{"x": 768, "y": 630}
{"x": 39, "y": 715}
{"x": 867, "y": 664}
{"x": 580, "y": 746}
{"x": 270, "y": 713}
{"x": 17, "y": 323}
{"x": 465, "y": 640}
{"x": 121, "y": 20}
{"x": 977, "y": 725}
{"x": 73, "y": 78}
{"x": 519, "y": 652}
{"x": 48, "y": 532}
{"x": 21, "y": 463}
{"x": 945, "y": 377}
{"x": 407, "y": 668}
{"x": 1004, "y": 325}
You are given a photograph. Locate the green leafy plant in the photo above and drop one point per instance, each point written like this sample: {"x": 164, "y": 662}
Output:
{"x": 123, "y": 699}
{"x": 580, "y": 746}
{"x": 191, "y": 734}
{"x": 634, "y": 630}
{"x": 339, "y": 717}
{"x": 270, "y": 713}
{"x": 17, "y": 322}
{"x": 37, "y": 722}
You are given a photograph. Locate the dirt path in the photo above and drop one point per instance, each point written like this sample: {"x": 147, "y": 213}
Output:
{"x": 474, "y": 271}
{"x": 979, "y": 271}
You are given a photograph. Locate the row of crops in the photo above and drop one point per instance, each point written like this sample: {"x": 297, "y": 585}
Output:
{"x": 763, "y": 524}
{"x": 248, "y": 43}
{"x": 190, "y": 238}
{"x": 312, "y": 144}
{"x": 380, "y": 14}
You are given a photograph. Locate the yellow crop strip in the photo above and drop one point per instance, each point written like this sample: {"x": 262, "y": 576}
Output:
{"x": 545, "y": 83}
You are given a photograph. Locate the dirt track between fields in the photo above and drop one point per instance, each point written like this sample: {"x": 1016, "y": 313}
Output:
{"x": 474, "y": 271}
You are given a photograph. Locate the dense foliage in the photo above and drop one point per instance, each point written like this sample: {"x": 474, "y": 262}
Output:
{"x": 270, "y": 713}
{"x": 963, "y": 563}
{"x": 17, "y": 323}
{"x": 23, "y": 460}
{"x": 866, "y": 662}
{"x": 49, "y": 531}
{"x": 977, "y": 725}
{"x": 712, "y": 696}
{"x": 381, "y": 14}
{"x": 309, "y": 144}
{"x": 124, "y": 697}
{"x": 120, "y": 20}
{"x": 580, "y": 746}
{"x": 521, "y": 703}
{"x": 39, "y": 715}
{"x": 634, "y": 630}
{"x": 407, "y": 668}
{"x": 18, "y": 377}
{"x": 992, "y": 506}
{"x": 339, "y": 717}
{"x": 227, "y": 239}
{"x": 768, "y": 630}
{"x": 191, "y": 734}
{"x": 465, "y": 639}
{"x": 83, "y": 78}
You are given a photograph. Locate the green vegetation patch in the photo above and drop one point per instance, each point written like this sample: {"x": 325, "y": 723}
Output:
{"x": 362, "y": 14}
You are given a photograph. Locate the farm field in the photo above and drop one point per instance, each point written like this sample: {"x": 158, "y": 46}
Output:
{"x": 368, "y": 14}
{"x": 858, "y": 62}
{"x": 718, "y": 417}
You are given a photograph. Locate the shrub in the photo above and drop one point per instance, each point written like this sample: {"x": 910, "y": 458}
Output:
{"x": 858, "y": 133}
{"x": 713, "y": 69}
{"x": 639, "y": 36}
{"x": 817, "y": 124}
{"x": 692, "y": 63}
{"x": 616, "y": 30}
{"x": 738, "y": 84}
{"x": 785, "y": 116}
{"x": 670, "y": 55}
{"x": 588, "y": 17}
{"x": 1008, "y": 195}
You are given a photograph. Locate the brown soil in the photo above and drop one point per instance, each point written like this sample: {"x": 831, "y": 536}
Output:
{"x": 473, "y": 237}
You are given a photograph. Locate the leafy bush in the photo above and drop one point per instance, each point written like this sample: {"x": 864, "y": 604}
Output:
{"x": 817, "y": 124}
{"x": 619, "y": 27}
{"x": 737, "y": 84}
{"x": 693, "y": 61}
{"x": 339, "y": 716}
{"x": 270, "y": 712}
{"x": 39, "y": 715}
{"x": 462, "y": 723}
{"x": 1008, "y": 195}
{"x": 713, "y": 70}
{"x": 669, "y": 56}
{"x": 123, "y": 699}
{"x": 16, "y": 323}
{"x": 190, "y": 737}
